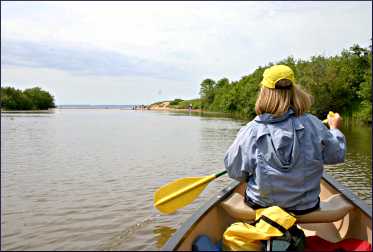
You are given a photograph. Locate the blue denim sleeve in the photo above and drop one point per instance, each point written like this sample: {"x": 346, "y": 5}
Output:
{"x": 240, "y": 159}
{"x": 334, "y": 147}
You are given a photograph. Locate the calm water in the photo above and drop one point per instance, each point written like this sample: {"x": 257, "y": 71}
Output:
{"x": 84, "y": 179}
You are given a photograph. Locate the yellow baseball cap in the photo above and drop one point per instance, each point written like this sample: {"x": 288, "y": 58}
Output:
{"x": 275, "y": 73}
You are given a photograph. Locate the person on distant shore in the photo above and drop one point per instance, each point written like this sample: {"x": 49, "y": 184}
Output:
{"x": 190, "y": 107}
{"x": 281, "y": 152}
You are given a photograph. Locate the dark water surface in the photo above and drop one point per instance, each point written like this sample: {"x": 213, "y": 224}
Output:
{"x": 84, "y": 179}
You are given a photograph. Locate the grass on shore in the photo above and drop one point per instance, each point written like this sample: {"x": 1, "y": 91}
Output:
{"x": 184, "y": 104}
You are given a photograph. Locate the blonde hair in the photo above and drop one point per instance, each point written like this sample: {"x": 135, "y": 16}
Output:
{"x": 278, "y": 100}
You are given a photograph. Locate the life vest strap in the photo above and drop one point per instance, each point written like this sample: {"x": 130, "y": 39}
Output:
{"x": 272, "y": 223}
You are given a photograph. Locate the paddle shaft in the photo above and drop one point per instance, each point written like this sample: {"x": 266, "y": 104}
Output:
{"x": 217, "y": 175}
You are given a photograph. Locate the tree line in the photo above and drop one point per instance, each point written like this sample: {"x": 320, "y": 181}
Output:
{"x": 29, "y": 99}
{"x": 338, "y": 83}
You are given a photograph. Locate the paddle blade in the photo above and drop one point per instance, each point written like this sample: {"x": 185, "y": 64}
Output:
{"x": 330, "y": 114}
{"x": 179, "y": 193}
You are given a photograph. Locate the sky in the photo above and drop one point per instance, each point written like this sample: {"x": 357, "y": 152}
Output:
{"x": 144, "y": 52}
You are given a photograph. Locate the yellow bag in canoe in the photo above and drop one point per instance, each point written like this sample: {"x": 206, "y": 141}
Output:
{"x": 241, "y": 236}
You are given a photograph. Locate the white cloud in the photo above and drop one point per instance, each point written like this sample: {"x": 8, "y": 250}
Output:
{"x": 203, "y": 39}
{"x": 83, "y": 60}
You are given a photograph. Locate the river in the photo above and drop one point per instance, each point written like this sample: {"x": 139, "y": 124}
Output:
{"x": 83, "y": 179}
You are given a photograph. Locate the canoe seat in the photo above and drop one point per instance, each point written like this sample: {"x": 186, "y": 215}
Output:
{"x": 331, "y": 209}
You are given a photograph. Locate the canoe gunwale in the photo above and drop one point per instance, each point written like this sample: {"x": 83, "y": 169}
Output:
{"x": 178, "y": 237}
{"x": 349, "y": 195}
{"x": 181, "y": 233}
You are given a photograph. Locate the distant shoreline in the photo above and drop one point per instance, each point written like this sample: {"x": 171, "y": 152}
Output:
{"x": 165, "y": 106}
{"x": 103, "y": 107}
{"x": 174, "y": 109}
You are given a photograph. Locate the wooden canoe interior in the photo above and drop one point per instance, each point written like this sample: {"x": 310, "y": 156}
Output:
{"x": 214, "y": 222}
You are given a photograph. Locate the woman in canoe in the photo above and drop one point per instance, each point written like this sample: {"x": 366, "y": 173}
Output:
{"x": 282, "y": 151}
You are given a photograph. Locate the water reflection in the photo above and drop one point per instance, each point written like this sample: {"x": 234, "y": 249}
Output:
{"x": 200, "y": 114}
{"x": 162, "y": 234}
{"x": 22, "y": 113}
{"x": 13, "y": 115}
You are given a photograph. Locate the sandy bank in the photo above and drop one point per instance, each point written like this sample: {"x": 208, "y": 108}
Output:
{"x": 165, "y": 106}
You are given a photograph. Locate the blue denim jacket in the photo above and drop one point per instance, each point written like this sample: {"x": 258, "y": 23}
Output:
{"x": 282, "y": 158}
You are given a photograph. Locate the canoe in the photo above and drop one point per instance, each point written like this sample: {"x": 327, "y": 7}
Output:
{"x": 342, "y": 215}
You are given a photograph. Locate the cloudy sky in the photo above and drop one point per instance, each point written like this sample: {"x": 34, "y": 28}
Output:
{"x": 143, "y": 52}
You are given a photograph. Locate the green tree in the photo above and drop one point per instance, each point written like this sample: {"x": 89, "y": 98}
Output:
{"x": 222, "y": 83}
{"x": 12, "y": 98}
{"x": 41, "y": 99}
{"x": 176, "y": 101}
{"x": 365, "y": 93}
{"x": 340, "y": 83}
{"x": 207, "y": 92}
{"x": 34, "y": 98}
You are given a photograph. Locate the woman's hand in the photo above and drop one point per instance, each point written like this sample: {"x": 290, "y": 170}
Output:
{"x": 335, "y": 121}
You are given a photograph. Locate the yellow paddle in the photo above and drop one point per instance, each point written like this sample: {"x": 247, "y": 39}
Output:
{"x": 181, "y": 192}
{"x": 330, "y": 114}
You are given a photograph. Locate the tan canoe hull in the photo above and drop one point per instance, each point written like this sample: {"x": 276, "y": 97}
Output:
{"x": 212, "y": 220}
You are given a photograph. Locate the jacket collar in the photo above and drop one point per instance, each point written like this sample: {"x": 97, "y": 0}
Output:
{"x": 269, "y": 118}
